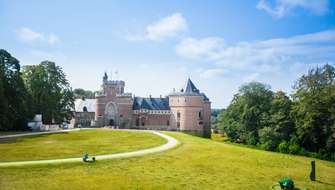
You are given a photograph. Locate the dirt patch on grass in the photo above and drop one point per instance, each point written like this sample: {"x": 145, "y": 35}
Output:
{"x": 49, "y": 141}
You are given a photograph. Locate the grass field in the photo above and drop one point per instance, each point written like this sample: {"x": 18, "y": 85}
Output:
{"x": 74, "y": 144}
{"x": 196, "y": 164}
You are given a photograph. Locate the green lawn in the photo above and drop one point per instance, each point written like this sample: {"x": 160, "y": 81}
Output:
{"x": 196, "y": 164}
{"x": 74, "y": 144}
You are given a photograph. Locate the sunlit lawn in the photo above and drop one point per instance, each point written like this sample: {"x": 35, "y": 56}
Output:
{"x": 196, "y": 164}
{"x": 75, "y": 143}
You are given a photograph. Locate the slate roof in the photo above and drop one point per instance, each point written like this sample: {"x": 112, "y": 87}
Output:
{"x": 190, "y": 90}
{"x": 151, "y": 103}
{"x": 79, "y": 105}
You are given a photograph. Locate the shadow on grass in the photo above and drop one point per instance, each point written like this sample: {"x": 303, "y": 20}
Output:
{"x": 325, "y": 183}
{"x": 9, "y": 140}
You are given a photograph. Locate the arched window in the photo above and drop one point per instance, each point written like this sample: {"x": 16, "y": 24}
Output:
{"x": 84, "y": 109}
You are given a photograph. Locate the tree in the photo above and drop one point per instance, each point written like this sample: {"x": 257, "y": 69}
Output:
{"x": 83, "y": 94}
{"x": 280, "y": 127}
{"x": 248, "y": 112}
{"x": 50, "y": 91}
{"x": 15, "y": 104}
{"x": 281, "y": 118}
{"x": 314, "y": 110}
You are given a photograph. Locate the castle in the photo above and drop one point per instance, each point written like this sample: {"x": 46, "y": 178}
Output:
{"x": 186, "y": 110}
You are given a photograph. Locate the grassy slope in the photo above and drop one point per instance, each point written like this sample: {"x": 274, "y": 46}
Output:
{"x": 74, "y": 144}
{"x": 196, "y": 164}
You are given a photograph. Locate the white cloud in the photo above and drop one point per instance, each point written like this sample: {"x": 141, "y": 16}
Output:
{"x": 196, "y": 48}
{"x": 251, "y": 77}
{"x": 262, "y": 57}
{"x": 52, "y": 39}
{"x": 29, "y": 36}
{"x": 283, "y": 8}
{"x": 211, "y": 73}
{"x": 167, "y": 27}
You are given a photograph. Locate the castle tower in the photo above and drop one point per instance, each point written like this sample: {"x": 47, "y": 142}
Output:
{"x": 112, "y": 104}
{"x": 190, "y": 110}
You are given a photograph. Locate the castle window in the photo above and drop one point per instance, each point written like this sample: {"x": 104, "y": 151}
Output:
{"x": 178, "y": 124}
{"x": 137, "y": 121}
{"x": 168, "y": 122}
{"x": 200, "y": 115}
{"x": 84, "y": 109}
{"x": 121, "y": 115}
{"x": 178, "y": 115}
{"x": 185, "y": 99}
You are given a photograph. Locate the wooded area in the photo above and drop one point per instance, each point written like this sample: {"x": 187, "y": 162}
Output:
{"x": 303, "y": 123}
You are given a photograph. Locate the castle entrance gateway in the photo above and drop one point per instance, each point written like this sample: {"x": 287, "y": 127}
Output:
{"x": 111, "y": 114}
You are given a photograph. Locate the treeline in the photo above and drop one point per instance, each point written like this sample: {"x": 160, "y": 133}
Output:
{"x": 80, "y": 93}
{"x": 302, "y": 123}
{"x": 34, "y": 89}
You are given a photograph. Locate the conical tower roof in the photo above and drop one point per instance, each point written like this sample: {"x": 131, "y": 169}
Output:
{"x": 190, "y": 90}
{"x": 190, "y": 87}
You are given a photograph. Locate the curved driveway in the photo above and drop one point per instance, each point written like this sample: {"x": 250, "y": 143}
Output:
{"x": 172, "y": 142}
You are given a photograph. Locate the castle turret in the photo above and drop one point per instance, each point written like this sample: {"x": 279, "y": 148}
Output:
{"x": 190, "y": 110}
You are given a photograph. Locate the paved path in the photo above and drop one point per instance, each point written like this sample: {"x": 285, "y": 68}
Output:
{"x": 172, "y": 142}
{"x": 36, "y": 133}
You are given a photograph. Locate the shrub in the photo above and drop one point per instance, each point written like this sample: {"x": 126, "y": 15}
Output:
{"x": 283, "y": 147}
{"x": 293, "y": 148}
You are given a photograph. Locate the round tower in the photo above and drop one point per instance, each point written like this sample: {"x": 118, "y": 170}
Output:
{"x": 100, "y": 102}
{"x": 189, "y": 110}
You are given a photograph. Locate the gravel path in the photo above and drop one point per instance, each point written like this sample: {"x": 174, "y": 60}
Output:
{"x": 172, "y": 142}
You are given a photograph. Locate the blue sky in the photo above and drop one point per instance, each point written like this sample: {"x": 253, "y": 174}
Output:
{"x": 156, "y": 45}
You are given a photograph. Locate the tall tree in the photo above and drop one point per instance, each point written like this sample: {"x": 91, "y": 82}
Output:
{"x": 13, "y": 94}
{"x": 248, "y": 112}
{"x": 314, "y": 110}
{"x": 50, "y": 91}
{"x": 281, "y": 126}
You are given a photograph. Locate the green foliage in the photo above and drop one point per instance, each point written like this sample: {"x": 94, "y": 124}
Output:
{"x": 83, "y": 94}
{"x": 14, "y": 104}
{"x": 248, "y": 112}
{"x": 215, "y": 113}
{"x": 283, "y": 147}
{"x": 50, "y": 91}
{"x": 314, "y": 110}
{"x": 44, "y": 90}
{"x": 269, "y": 138}
{"x": 306, "y": 124}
